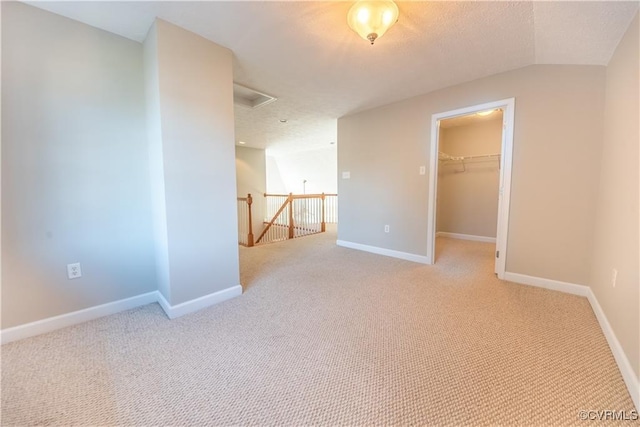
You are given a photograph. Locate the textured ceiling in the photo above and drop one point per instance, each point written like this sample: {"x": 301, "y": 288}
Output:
{"x": 304, "y": 53}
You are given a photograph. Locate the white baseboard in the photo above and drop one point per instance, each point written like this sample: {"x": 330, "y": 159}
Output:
{"x": 554, "y": 285}
{"x": 62, "y": 321}
{"x": 466, "y": 237}
{"x": 193, "y": 305}
{"x": 382, "y": 251}
{"x": 69, "y": 319}
{"x": 627, "y": 372}
{"x": 628, "y": 375}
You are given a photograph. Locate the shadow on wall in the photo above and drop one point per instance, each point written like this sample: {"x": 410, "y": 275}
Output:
{"x": 303, "y": 172}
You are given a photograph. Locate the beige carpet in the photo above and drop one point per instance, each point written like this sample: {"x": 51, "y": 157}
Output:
{"x": 332, "y": 336}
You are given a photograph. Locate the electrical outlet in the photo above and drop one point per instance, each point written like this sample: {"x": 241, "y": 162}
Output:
{"x": 423, "y": 170}
{"x": 386, "y": 228}
{"x": 74, "y": 271}
{"x": 614, "y": 277}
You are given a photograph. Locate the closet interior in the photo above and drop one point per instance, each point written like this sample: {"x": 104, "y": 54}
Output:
{"x": 469, "y": 176}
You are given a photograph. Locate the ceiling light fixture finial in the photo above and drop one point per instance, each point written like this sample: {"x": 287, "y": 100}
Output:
{"x": 372, "y": 18}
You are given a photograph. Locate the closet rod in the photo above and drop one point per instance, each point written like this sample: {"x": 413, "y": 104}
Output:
{"x": 445, "y": 156}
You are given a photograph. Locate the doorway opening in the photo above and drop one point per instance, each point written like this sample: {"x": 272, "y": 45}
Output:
{"x": 470, "y": 169}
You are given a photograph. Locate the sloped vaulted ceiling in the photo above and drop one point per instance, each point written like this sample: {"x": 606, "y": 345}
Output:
{"x": 304, "y": 54}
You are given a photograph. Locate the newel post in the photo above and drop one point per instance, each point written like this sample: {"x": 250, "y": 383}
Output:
{"x": 250, "y": 235}
{"x": 291, "y": 231}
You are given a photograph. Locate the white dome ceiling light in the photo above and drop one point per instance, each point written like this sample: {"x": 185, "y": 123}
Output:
{"x": 372, "y": 18}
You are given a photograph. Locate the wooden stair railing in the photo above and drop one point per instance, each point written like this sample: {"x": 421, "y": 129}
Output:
{"x": 275, "y": 218}
{"x": 305, "y": 216}
{"x": 245, "y": 224}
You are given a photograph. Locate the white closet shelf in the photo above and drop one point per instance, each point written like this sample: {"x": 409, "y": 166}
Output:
{"x": 447, "y": 157}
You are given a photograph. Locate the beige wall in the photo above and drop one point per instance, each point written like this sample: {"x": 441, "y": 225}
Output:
{"x": 196, "y": 167}
{"x": 468, "y": 201}
{"x": 557, "y": 145}
{"x": 74, "y": 167}
{"x": 77, "y": 185}
{"x": 616, "y": 226}
{"x": 156, "y": 160}
{"x": 251, "y": 179}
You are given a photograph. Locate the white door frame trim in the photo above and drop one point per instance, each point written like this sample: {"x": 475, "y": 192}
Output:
{"x": 508, "y": 107}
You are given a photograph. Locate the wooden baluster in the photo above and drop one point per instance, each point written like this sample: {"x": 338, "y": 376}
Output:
{"x": 266, "y": 205}
{"x": 250, "y": 235}
{"x": 291, "y": 230}
{"x": 268, "y": 232}
{"x": 323, "y": 227}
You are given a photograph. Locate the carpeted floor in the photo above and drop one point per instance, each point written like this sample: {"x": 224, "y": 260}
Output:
{"x": 332, "y": 336}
